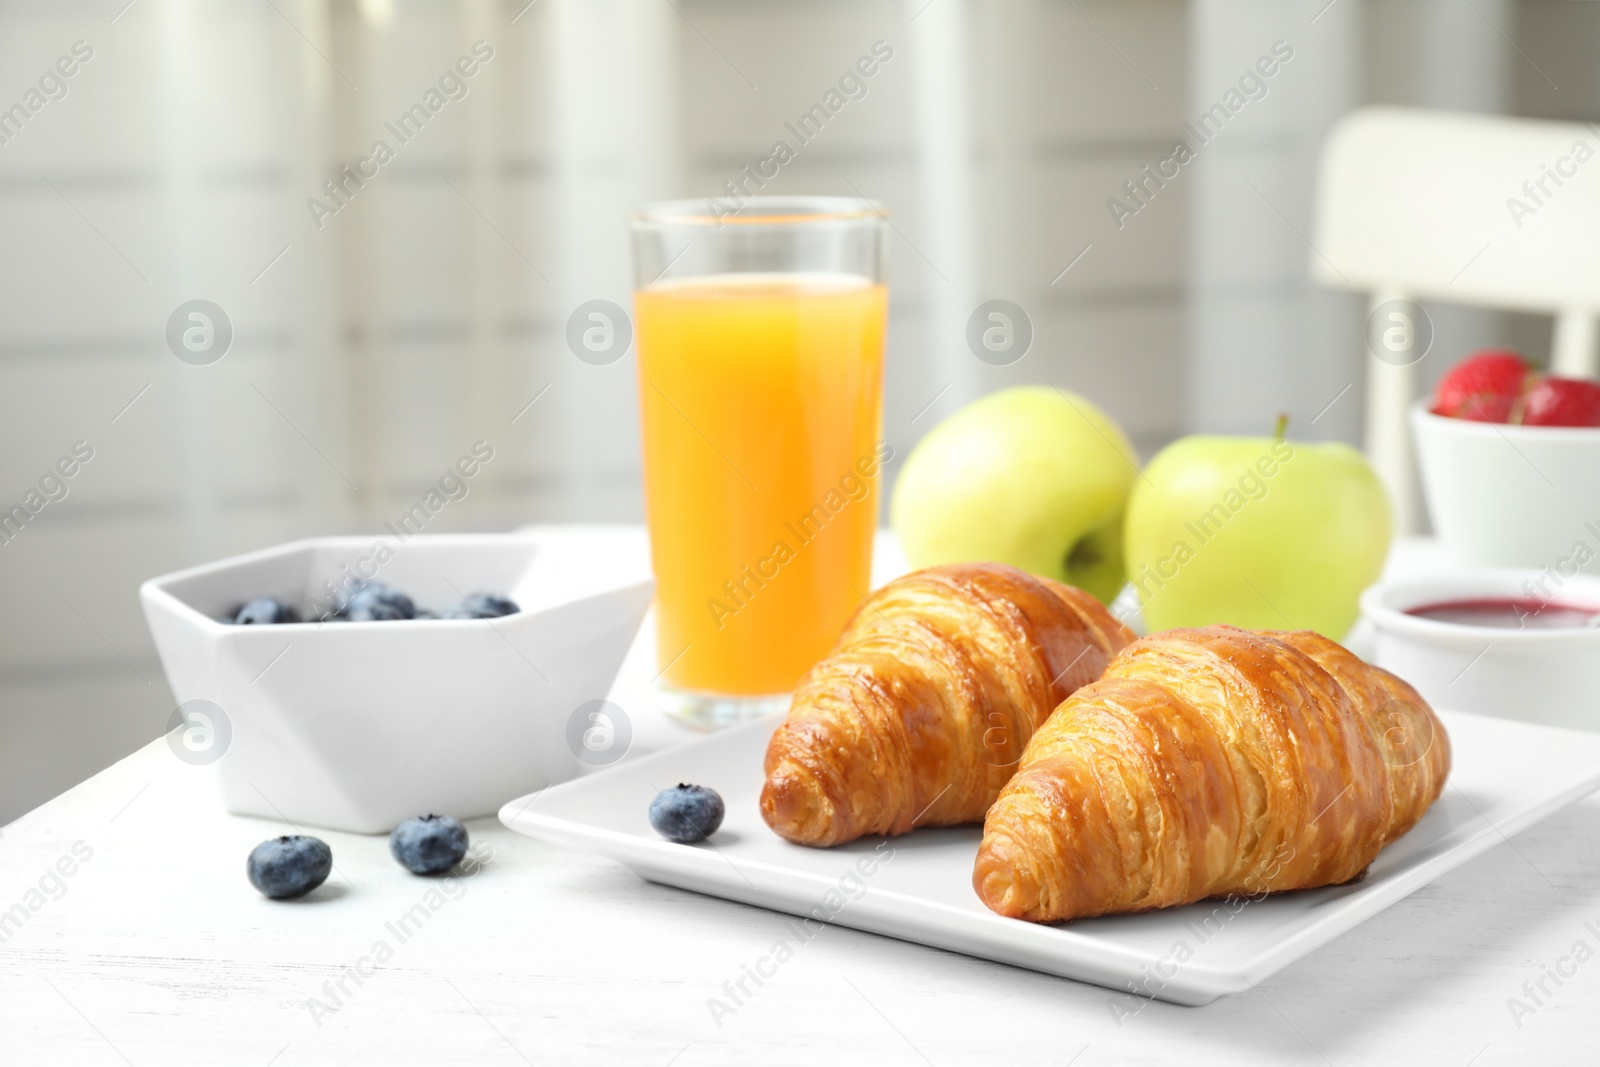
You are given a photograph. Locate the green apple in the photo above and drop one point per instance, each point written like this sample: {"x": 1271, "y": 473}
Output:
{"x": 1258, "y": 532}
{"x": 1034, "y": 476}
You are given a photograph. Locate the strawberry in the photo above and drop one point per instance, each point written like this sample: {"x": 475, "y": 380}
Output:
{"x": 1563, "y": 402}
{"x": 1484, "y": 387}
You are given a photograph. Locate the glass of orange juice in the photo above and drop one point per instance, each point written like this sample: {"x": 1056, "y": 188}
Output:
{"x": 760, "y": 339}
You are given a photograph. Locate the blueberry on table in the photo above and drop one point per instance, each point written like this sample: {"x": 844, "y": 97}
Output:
{"x": 687, "y": 813}
{"x": 264, "y": 611}
{"x": 429, "y": 844}
{"x": 483, "y": 606}
{"x": 289, "y": 866}
{"x": 376, "y": 602}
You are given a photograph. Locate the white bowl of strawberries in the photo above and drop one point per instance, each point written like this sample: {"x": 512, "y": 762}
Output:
{"x": 1511, "y": 465}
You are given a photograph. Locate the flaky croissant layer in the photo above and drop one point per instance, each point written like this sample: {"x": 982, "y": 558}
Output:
{"x": 1206, "y": 762}
{"x": 922, "y": 711}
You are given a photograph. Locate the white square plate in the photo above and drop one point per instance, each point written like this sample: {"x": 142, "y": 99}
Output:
{"x": 1506, "y": 776}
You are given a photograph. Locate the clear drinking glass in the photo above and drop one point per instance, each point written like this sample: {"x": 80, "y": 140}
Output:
{"x": 760, "y": 340}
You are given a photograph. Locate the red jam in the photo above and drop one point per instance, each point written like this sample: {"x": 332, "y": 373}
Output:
{"x": 1509, "y": 613}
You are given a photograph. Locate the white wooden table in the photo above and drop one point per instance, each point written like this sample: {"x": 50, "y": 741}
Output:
{"x": 155, "y": 950}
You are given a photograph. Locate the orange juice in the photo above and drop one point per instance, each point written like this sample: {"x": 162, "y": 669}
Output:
{"x": 761, "y": 405}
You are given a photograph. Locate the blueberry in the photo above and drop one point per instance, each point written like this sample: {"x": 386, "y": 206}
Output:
{"x": 483, "y": 606}
{"x": 263, "y": 611}
{"x": 429, "y": 844}
{"x": 376, "y": 602}
{"x": 289, "y": 866}
{"x": 687, "y": 813}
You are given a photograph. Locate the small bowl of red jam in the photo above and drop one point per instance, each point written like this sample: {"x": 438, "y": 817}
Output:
{"x": 1509, "y": 613}
{"x": 1520, "y": 644}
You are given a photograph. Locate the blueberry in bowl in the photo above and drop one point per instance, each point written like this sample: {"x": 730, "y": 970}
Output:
{"x": 376, "y": 602}
{"x": 687, "y": 813}
{"x": 263, "y": 611}
{"x": 483, "y": 606}
{"x": 289, "y": 866}
{"x": 429, "y": 844}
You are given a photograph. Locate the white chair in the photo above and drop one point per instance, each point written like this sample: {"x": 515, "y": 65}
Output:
{"x": 1464, "y": 209}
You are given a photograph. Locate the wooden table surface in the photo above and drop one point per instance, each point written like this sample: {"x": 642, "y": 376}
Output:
{"x": 129, "y": 935}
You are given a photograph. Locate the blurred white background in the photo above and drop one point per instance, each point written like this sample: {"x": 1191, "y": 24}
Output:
{"x": 373, "y": 350}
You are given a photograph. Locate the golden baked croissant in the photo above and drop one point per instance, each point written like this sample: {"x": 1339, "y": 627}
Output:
{"x": 1210, "y": 762}
{"x": 922, "y": 710}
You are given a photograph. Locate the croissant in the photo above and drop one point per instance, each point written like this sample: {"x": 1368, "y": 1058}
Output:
{"x": 1205, "y": 763}
{"x": 921, "y": 712}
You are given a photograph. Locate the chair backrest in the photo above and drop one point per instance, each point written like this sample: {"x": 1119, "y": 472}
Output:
{"x": 1466, "y": 209}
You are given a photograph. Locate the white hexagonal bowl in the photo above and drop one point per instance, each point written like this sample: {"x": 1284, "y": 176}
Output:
{"x": 359, "y": 725}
